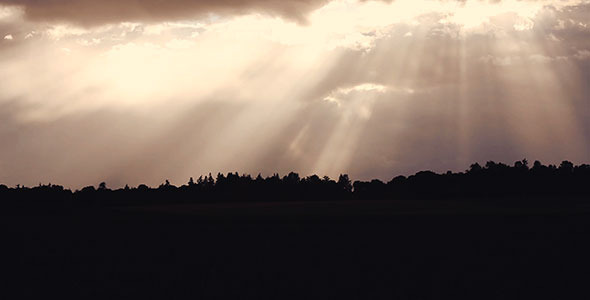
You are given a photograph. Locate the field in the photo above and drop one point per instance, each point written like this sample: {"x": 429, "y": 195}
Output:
{"x": 360, "y": 250}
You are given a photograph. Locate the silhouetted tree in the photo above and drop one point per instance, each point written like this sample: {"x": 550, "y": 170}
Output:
{"x": 495, "y": 180}
{"x": 344, "y": 183}
{"x": 566, "y": 167}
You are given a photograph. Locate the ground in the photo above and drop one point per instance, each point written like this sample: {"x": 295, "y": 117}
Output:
{"x": 359, "y": 250}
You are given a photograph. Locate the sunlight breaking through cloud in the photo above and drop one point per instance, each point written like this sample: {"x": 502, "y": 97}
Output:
{"x": 369, "y": 88}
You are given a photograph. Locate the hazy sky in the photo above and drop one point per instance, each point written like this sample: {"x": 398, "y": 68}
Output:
{"x": 128, "y": 91}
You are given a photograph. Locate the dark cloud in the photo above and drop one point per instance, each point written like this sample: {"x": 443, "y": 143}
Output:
{"x": 93, "y": 12}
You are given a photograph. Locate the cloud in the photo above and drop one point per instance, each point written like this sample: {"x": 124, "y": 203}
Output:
{"x": 93, "y": 12}
{"x": 583, "y": 54}
{"x": 8, "y": 37}
{"x": 407, "y": 89}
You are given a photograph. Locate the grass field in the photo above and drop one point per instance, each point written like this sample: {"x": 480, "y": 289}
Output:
{"x": 360, "y": 250}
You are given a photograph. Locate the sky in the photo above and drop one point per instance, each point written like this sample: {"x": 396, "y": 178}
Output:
{"x": 130, "y": 92}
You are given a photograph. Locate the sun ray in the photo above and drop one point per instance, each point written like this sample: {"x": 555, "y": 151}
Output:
{"x": 363, "y": 87}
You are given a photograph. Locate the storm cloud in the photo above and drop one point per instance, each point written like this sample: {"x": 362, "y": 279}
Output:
{"x": 93, "y": 12}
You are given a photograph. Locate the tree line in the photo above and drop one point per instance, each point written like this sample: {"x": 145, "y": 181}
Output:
{"x": 490, "y": 181}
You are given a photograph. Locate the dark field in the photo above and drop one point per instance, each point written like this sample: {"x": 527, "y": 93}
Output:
{"x": 360, "y": 250}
